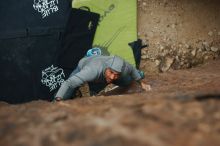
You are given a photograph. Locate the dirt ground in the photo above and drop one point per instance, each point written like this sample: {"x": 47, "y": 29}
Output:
{"x": 181, "y": 109}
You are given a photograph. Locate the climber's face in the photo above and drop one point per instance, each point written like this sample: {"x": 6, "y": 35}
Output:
{"x": 111, "y": 75}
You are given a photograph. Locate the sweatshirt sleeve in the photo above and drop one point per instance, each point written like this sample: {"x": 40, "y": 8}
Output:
{"x": 132, "y": 71}
{"x": 85, "y": 75}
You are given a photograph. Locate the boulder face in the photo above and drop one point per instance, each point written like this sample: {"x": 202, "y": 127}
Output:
{"x": 181, "y": 109}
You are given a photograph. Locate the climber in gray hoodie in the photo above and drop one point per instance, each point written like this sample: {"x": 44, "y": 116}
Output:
{"x": 99, "y": 71}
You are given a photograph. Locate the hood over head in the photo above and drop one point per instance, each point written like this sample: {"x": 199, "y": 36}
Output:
{"x": 116, "y": 64}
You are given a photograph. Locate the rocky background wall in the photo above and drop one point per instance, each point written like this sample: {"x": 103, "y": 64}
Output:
{"x": 181, "y": 34}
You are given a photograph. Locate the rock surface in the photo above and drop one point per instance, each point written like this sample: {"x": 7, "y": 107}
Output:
{"x": 182, "y": 109}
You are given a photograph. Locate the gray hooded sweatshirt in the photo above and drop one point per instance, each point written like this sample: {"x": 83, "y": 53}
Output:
{"x": 92, "y": 69}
